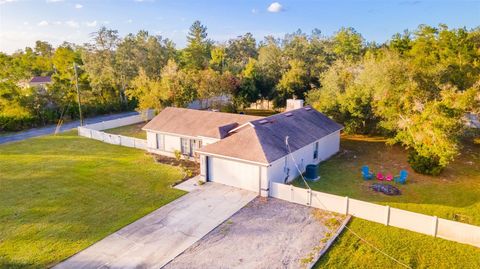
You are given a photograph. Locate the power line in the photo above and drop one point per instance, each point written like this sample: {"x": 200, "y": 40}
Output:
{"x": 353, "y": 232}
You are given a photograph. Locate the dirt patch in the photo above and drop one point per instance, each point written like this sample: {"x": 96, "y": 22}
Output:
{"x": 189, "y": 168}
{"x": 264, "y": 234}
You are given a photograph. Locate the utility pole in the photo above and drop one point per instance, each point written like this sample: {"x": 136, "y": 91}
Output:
{"x": 78, "y": 94}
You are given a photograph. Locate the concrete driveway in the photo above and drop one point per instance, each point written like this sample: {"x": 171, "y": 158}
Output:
{"x": 154, "y": 240}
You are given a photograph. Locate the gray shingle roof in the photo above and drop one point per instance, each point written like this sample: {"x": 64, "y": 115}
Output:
{"x": 303, "y": 126}
{"x": 264, "y": 141}
{"x": 191, "y": 122}
{"x": 41, "y": 79}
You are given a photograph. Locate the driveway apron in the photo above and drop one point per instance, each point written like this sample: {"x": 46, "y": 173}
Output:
{"x": 154, "y": 240}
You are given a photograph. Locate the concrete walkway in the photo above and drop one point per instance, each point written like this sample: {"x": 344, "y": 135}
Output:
{"x": 65, "y": 127}
{"x": 157, "y": 238}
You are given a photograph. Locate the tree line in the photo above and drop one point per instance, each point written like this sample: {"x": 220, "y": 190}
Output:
{"x": 414, "y": 88}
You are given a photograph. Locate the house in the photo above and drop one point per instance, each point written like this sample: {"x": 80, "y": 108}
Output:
{"x": 212, "y": 102}
{"x": 245, "y": 151}
{"x": 40, "y": 82}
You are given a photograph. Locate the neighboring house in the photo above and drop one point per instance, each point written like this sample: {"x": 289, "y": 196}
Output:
{"x": 472, "y": 120}
{"x": 40, "y": 82}
{"x": 212, "y": 102}
{"x": 245, "y": 151}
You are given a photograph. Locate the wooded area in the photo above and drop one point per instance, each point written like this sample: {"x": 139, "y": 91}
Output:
{"x": 415, "y": 88}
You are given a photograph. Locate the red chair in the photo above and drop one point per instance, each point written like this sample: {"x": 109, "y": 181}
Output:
{"x": 380, "y": 176}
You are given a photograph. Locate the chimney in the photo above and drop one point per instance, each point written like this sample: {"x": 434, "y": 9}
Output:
{"x": 294, "y": 104}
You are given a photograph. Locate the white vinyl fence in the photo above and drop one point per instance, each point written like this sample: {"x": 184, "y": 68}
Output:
{"x": 114, "y": 139}
{"x": 147, "y": 115}
{"x": 420, "y": 223}
{"x": 94, "y": 131}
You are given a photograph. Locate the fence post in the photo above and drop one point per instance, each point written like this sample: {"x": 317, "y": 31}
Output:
{"x": 120, "y": 140}
{"x": 387, "y": 214}
{"x": 346, "y": 205}
{"x": 90, "y": 131}
{"x": 309, "y": 197}
{"x": 435, "y": 226}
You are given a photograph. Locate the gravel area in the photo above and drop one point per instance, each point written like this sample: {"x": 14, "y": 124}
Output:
{"x": 264, "y": 234}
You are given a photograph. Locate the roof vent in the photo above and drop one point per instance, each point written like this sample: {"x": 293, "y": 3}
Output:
{"x": 263, "y": 121}
{"x": 308, "y": 108}
{"x": 288, "y": 114}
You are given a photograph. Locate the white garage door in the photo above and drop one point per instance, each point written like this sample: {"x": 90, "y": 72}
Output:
{"x": 232, "y": 173}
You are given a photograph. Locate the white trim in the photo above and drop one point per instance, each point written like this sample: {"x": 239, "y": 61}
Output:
{"x": 266, "y": 164}
{"x": 232, "y": 158}
{"x": 241, "y": 126}
{"x": 180, "y": 135}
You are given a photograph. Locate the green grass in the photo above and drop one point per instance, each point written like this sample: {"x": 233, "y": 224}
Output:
{"x": 134, "y": 130}
{"x": 414, "y": 249}
{"x": 60, "y": 194}
{"x": 455, "y": 194}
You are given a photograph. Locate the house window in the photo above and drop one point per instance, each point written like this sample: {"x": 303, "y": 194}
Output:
{"x": 189, "y": 146}
{"x": 315, "y": 151}
{"x": 160, "y": 142}
{"x": 185, "y": 143}
{"x": 194, "y": 145}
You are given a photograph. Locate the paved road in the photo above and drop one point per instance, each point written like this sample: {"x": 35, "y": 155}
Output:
{"x": 65, "y": 127}
{"x": 156, "y": 239}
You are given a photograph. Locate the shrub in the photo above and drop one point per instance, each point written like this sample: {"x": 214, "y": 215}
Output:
{"x": 188, "y": 172}
{"x": 424, "y": 165}
{"x": 16, "y": 123}
{"x": 178, "y": 155}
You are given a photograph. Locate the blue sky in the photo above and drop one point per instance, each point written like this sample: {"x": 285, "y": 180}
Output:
{"x": 23, "y": 21}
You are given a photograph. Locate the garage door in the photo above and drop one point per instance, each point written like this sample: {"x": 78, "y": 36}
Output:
{"x": 232, "y": 173}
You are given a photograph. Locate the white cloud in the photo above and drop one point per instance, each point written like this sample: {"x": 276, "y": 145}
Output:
{"x": 43, "y": 23}
{"x": 254, "y": 11}
{"x": 57, "y": 22}
{"x": 129, "y": 21}
{"x": 54, "y": 1}
{"x": 275, "y": 7}
{"x": 72, "y": 23}
{"x": 78, "y": 6}
{"x": 7, "y": 1}
{"x": 91, "y": 23}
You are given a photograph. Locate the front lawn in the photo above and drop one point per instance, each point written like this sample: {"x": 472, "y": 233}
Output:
{"x": 134, "y": 130}
{"x": 455, "y": 195}
{"x": 60, "y": 194}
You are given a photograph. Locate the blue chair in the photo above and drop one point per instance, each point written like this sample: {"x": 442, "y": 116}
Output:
{"x": 366, "y": 173}
{"x": 402, "y": 178}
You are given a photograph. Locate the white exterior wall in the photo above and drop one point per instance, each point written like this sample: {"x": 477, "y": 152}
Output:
{"x": 151, "y": 140}
{"x": 327, "y": 146}
{"x": 172, "y": 143}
